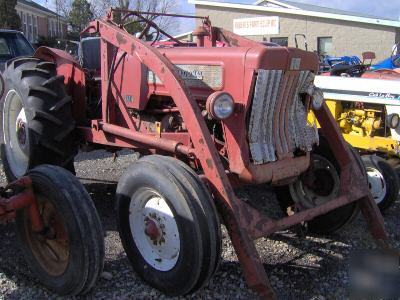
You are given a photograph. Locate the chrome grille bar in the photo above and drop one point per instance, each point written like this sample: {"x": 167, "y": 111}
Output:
{"x": 278, "y": 120}
{"x": 261, "y": 133}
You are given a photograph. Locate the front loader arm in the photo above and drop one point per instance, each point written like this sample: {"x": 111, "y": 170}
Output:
{"x": 204, "y": 147}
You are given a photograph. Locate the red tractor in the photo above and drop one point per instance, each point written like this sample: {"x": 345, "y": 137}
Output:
{"x": 208, "y": 117}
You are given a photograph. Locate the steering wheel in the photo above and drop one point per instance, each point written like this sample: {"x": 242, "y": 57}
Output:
{"x": 149, "y": 25}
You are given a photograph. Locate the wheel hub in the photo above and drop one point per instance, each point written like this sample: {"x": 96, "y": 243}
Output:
{"x": 21, "y": 132}
{"x": 151, "y": 229}
{"x": 318, "y": 185}
{"x": 51, "y": 247}
{"x": 154, "y": 229}
{"x": 16, "y": 137}
{"x": 377, "y": 184}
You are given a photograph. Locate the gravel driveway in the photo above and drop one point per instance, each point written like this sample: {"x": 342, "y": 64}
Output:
{"x": 299, "y": 268}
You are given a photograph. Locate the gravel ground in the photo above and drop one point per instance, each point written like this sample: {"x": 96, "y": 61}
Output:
{"x": 299, "y": 268}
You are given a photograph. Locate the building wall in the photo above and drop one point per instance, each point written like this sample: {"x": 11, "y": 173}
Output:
{"x": 37, "y": 23}
{"x": 348, "y": 38}
{"x": 42, "y": 26}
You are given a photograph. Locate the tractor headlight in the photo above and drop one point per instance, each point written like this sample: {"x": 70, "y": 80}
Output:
{"x": 220, "y": 105}
{"x": 392, "y": 121}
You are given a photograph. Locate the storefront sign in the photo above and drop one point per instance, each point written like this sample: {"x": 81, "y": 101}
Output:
{"x": 256, "y": 26}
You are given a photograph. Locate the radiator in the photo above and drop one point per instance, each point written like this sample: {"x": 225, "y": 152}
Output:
{"x": 278, "y": 120}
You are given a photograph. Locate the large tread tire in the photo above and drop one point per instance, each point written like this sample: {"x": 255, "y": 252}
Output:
{"x": 82, "y": 226}
{"x": 48, "y": 111}
{"x": 391, "y": 180}
{"x": 196, "y": 219}
{"x": 334, "y": 220}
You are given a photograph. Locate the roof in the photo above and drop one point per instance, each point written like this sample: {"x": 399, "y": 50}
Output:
{"x": 10, "y": 31}
{"x": 295, "y": 8}
{"x": 317, "y": 8}
{"x": 38, "y": 6}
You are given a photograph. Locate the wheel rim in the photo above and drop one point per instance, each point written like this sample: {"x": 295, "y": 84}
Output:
{"x": 50, "y": 249}
{"x": 377, "y": 184}
{"x": 318, "y": 185}
{"x": 154, "y": 229}
{"x": 16, "y": 138}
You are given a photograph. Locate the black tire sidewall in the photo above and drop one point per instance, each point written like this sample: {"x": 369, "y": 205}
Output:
{"x": 174, "y": 281}
{"x": 390, "y": 177}
{"x": 72, "y": 276}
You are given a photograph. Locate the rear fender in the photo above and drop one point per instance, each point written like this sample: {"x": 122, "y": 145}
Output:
{"x": 74, "y": 77}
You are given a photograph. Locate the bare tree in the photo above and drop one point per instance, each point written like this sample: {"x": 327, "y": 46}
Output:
{"x": 100, "y": 8}
{"x": 63, "y": 7}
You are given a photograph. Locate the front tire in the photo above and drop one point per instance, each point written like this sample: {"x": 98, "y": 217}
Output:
{"x": 168, "y": 225}
{"x": 37, "y": 123}
{"x": 383, "y": 181}
{"x": 68, "y": 257}
{"x": 325, "y": 186}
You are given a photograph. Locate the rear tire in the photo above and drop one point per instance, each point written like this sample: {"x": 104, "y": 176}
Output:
{"x": 383, "y": 181}
{"x": 333, "y": 221}
{"x": 168, "y": 225}
{"x": 69, "y": 257}
{"x": 37, "y": 124}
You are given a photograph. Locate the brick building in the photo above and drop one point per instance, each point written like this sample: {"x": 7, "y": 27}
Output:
{"x": 329, "y": 31}
{"x": 37, "y": 20}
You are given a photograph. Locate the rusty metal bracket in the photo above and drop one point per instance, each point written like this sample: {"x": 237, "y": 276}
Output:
{"x": 23, "y": 198}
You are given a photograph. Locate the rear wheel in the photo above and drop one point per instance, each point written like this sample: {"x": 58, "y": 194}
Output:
{"x": 37, "y": 123}
{"x": 320, "y": 184}
{"x": 68, "y": 256}
{"x": 168, "y": 225}
{"x": 383, "y": 181}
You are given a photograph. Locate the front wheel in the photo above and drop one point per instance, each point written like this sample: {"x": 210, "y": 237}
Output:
{"x": 68, "y": 256}
{"x": 320, "y": 184}
{"x": 383, "y": 181}
{"x": 168, "y": 225}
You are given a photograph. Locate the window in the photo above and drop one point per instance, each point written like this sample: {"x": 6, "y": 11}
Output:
{"x": 14, "y": 44}
{"x": 282, "y": 41}
{"x": 35, "y": 29}
{"x": 24, "y": 24}
{"x": 22, "y": 47}
{"x": 49, "y": 26}
{"x": 4, "y": 50}
{"x": 325, "y": 45}
{"x": 52, "y": 28}
{"x": 30, "y": 28}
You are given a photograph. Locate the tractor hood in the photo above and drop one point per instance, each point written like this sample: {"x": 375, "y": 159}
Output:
{"x": 232, "y": 69}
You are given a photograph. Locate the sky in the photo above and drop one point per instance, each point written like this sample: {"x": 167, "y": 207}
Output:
{"x": 380, "y": 8}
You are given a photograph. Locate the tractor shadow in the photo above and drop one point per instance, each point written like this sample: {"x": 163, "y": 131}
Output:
{"x": 103, "y": 195}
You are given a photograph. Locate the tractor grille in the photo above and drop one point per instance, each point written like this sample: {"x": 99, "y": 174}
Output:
{"x": 278, "y": 121}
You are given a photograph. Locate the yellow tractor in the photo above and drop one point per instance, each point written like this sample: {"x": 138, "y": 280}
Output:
{"x": 367, "y": 111}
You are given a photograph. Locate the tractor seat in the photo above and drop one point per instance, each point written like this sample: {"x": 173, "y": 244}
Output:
{"x": 89, "y": 53}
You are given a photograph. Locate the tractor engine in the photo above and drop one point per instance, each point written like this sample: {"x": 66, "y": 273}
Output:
{"x": 364, "y": 122}
{"x": 363, "y": 119}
